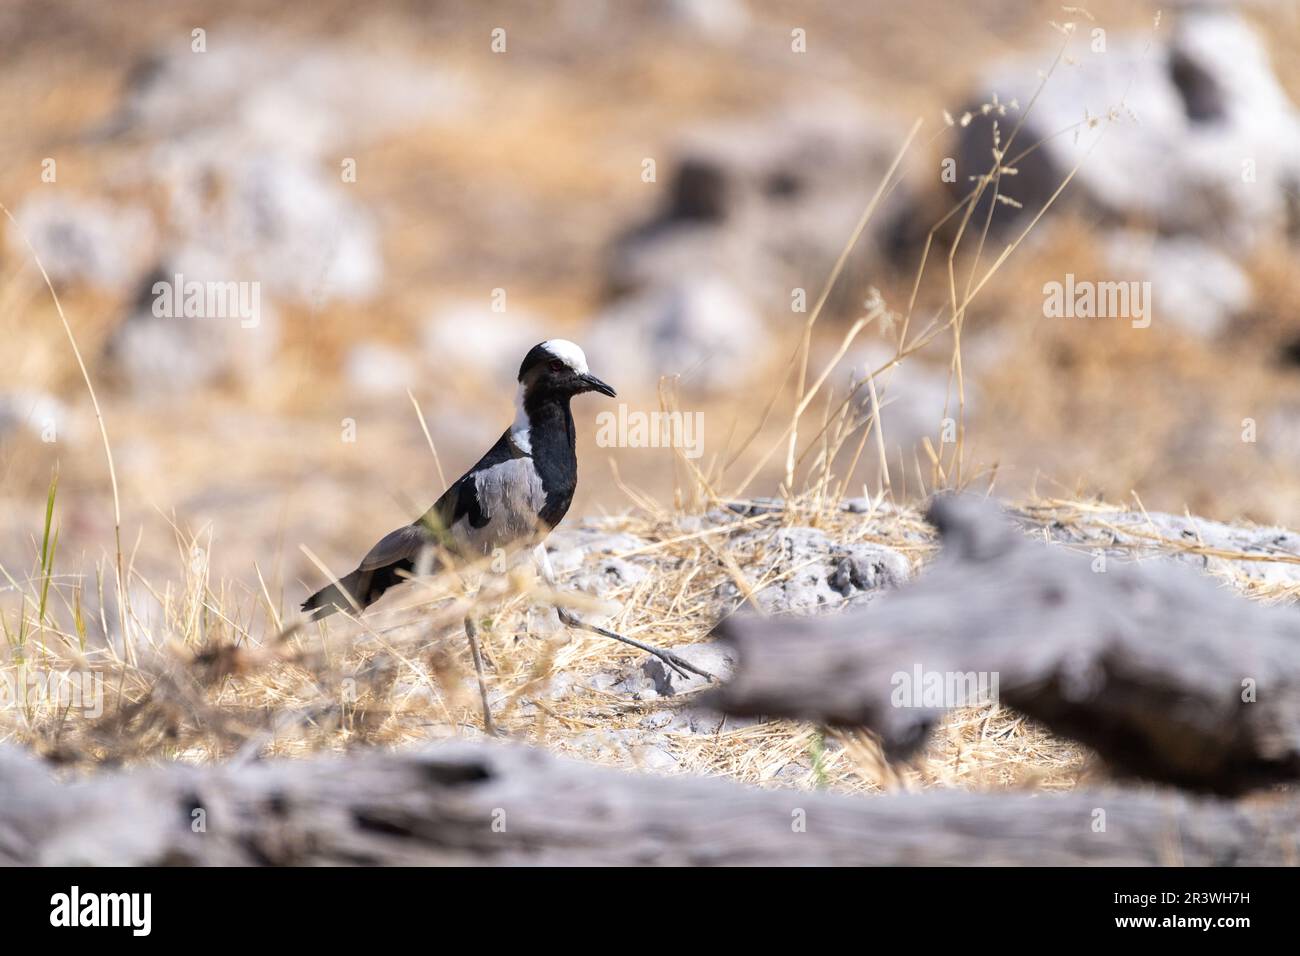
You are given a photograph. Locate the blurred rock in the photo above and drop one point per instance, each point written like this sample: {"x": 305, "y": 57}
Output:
{"x": 82, "y": 240}
{"x": 274, "y": 227}
{"x": 607, "y": 574}
{"x": 569, "y": 547}
{"x": 657, "y": 720}
{"x": 249, "y": 139}
{"x": 291, "y": 95}
{"x": 621, "y": 744}
{"x": 758, "y": 505}
{"x": 706, "y": 720}
{"x": 275, "y": 219}
{"x": 651, "y": 758}
{"x": 374, "y": 369}
{"x": 586, "y": 559}
{"x": 470, "y": 337}
{"x": 1268, "y": 555}
{"x": 39, "y": 414}
{"x": 713, "y": 656}
{"x": 766, "y": 203}
{"x": 1193, "y": 285}
{"x": 1192, "y": 134}
{"x": 815, "y": 574}
{"x": 159, "y": 350}
{"x": 699, "y": 327}
{"x": 916, "y": 400}
{"x": 721, "y": 20}
{"x": 1279, "y": 437}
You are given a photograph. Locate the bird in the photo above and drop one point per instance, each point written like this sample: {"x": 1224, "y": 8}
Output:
{"x": 516, "y": 493}
{"x": 513, "y": 496}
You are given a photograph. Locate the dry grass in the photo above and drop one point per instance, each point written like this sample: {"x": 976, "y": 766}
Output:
{"x": 218, "y": 679}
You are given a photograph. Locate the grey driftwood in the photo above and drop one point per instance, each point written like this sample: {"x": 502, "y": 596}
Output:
{"x": 497, "y": 804}
{"x": 1166, "y": 673}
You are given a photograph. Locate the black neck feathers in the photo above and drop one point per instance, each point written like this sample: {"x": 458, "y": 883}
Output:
{"x": 553, "y": 442}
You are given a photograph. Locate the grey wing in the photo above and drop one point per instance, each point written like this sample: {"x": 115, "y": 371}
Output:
{"x": 396, "y": 546}
{"x": 508, "y": 498}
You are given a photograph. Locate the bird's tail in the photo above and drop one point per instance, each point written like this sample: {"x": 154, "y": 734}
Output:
{"x": 356, "y": 591}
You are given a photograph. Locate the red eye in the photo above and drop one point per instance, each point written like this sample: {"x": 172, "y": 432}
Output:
{"x": 557, "y": 366}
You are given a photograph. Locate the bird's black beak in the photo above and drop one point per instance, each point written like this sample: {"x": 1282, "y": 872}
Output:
{"x": 593, "y": 384}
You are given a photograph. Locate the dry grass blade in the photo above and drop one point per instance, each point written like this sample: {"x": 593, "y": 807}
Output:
{"x": 122, "y": 598}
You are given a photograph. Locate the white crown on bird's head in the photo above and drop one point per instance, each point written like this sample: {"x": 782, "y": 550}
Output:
{"x": 552, "y": 349}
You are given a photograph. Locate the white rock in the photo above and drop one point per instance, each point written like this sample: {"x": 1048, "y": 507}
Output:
{"x": 1138, "y": 534}
{"x": 721, "y": 20}
{"x": 657, "y": 720}
{"x": 1193, "y": 285}
{"x": 584, "y": 541}
{"x": 653, "y": 758}
{"x": 1204, "y": 139}
{"x": 82, "y": 240}
{"x": 470, "y": 338}
{"x": 811, "y": 573}
{"x": 766, "y": 202}
{"x": 701, "y": 328}
{"x": 277, "y": 91}
{"x": 915, "y": 400}
{"x": 276, "y": 219}
{"x": 39, "y": 413}
{"x": 716, "y": 658}
{"x": 375, "y": 369}
{"x": 155, "y": 351}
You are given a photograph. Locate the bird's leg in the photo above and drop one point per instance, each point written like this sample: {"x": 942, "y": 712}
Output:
{"x": 569, "y": 619}
{"x": 677, "y": 663}
{"x": 471, "y": 631}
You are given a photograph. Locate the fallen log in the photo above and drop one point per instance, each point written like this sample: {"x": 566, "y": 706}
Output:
{"x": 495, "y": 804}
{"x": 1165, "y": 673}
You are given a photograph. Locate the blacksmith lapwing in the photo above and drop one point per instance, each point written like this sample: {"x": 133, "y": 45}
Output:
{"x": 512, "y": 497}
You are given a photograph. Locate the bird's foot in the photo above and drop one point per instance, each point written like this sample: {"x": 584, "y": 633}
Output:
{"x": 675, "y": 661}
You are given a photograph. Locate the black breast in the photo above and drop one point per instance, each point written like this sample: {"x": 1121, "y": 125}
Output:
{"x": 553, "y": 439}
